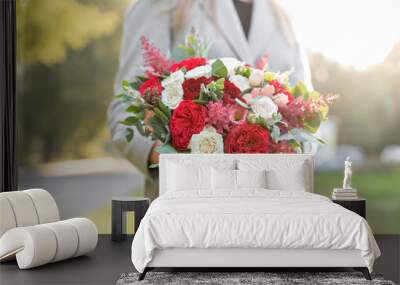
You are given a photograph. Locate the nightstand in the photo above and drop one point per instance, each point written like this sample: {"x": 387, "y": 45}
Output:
{"x": 121, "y": 205}
{"x": 358, "y": 206}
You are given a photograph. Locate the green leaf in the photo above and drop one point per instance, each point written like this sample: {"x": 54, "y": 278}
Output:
{"x": 245, "y": 91}
{"x": 129, "y": 134}
{"x": 276, "y": 118}
{"x": 160, "y": 131}
{"x": 276, "y": 132}
{"x": 125, "y": 98}
{"x": 133, "y": 109}
{"x": 161, "y": 116}
{"x": 262, "y": 122}
{"x": 198, "y": 101}
{"x": 140, "y": 129}
{"x": 164, "y": 109}
{"x": 141, "y": 115}
{"x": 243, "y": 71}
{"x": 130, "y": 121}
{"x": 135, "y": 85}
{"x": 125, "y": 85}
{"x": 217, "y": 85}
{"x": 313, "y": 125}
{"x": 166, "y": 148}
{"x": 214, "y": 96}
{"x": 219, "y": 69}
{"x": 142, "y": 78}
{"x": 300, "y": 90}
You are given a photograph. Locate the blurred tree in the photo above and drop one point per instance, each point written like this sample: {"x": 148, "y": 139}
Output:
{"x": 48, "y": 28}
{"x": 68, "y": 57}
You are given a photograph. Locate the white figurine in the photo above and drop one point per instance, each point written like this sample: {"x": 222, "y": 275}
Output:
{"x": 347, "y": 174}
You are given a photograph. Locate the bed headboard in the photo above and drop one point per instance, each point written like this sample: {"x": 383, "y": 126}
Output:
{"x": 283, "y": 162}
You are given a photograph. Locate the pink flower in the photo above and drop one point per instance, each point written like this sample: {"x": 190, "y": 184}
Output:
{"x": 218, "y": 116}
{"x": 237, "y": 114}
{"x": 256, "y": 78}
{"x": 155, "y": 61}
{"x": 280, "y": 99}
{"x": 262, "y": 63}
{"x": 255, "y": 92}
{"x": 282, "y": 147}
{"x": 268, "y": 90}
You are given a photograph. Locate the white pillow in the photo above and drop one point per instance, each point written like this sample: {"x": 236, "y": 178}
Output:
{"x": 223, "y": 179}
{"x": 295, "y": 181}
{"x": 183, "y": 177}
{"x": 283, "y": 173}
{"x": 185, "y": 173}
{"x": 251, "y": 178}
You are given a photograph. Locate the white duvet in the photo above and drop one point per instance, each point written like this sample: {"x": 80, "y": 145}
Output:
{"x": 253, "y": 218}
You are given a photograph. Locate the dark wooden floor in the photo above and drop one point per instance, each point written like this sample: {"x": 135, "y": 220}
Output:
{"x": 103, "y": 266}
{"x": 110, "y": 260}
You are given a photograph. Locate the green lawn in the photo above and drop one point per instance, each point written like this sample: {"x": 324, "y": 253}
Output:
{"x": 380, "y": 187}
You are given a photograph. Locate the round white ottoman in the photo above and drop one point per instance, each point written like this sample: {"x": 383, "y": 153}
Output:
{"x": 37, "y": 245}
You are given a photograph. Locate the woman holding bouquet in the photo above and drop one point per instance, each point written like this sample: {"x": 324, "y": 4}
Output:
{"x": 243, "y": 29}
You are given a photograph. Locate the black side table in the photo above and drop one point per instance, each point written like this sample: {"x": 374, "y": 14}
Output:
{"x": 358, "y": 206}
{"x": 121, "y": 205}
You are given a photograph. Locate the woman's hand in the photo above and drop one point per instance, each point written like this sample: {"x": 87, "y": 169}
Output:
{"x": 154, "y": 155}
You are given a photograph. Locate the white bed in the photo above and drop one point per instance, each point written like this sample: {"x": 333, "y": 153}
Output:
{"x": 281, "y": 225}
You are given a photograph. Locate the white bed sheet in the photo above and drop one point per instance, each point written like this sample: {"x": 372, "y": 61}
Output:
{"x": 252, "y": 218}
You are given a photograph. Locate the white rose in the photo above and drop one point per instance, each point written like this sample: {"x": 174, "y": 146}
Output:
{"x": 264, "y": 107}
{"x": 208, "y": 141}
{"x": 256, "y": 77}
{"x": 200, "y": 71}
{"x": 176, "y": 77}
{"x": 280, "y": 99}
{"x": 172, "y": 95}
{"x": 240, "y": 81}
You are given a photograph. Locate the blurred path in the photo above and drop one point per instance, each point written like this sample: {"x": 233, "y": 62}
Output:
{"x": 83, "y": 186}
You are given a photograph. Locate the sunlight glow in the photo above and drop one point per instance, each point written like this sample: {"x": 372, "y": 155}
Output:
{"x": 354, "y": 32}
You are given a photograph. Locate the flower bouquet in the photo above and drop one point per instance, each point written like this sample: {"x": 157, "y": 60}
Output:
{"x": 222, "y": 105}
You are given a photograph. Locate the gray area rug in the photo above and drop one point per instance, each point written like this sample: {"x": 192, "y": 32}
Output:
{"x": 232, "y": 278}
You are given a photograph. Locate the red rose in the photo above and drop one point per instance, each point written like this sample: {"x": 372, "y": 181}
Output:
{"x": 188, "y": 119}
{"x": 231, "y": 92}
{"x": 279, "y": 88}
{"x": 191, "y": 87}
{"x": 151, "y": 84}
{"x": 247, "y": 138}
{"x": 189, "y": 63}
